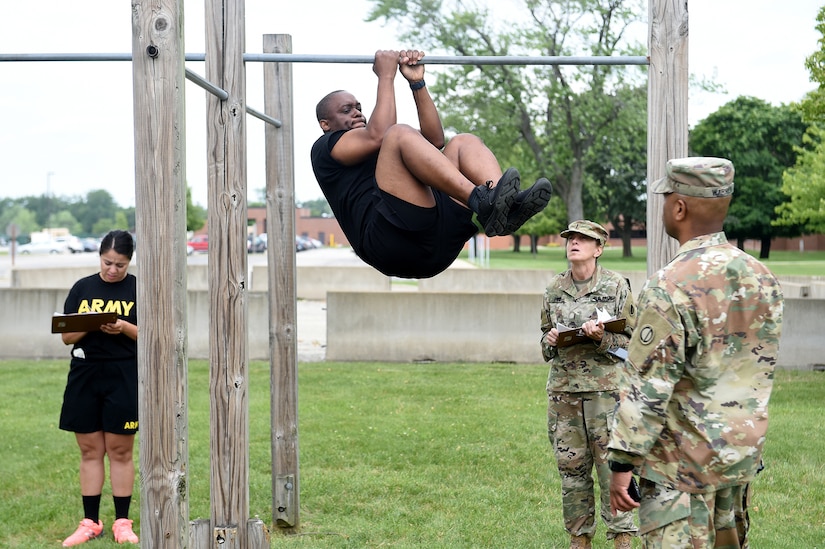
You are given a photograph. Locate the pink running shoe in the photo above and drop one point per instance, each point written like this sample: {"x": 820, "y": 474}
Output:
{"x": 87, "y": 530}
{"x": 122, "y": 529}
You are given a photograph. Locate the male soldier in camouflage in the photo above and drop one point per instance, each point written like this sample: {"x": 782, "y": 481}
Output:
{"x": 693, "y": 419}
{"x": 583, "y": 383}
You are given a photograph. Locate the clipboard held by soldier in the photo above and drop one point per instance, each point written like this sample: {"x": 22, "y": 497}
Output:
{"x": 570, "y": 336}
{"x": 81, "y": 322}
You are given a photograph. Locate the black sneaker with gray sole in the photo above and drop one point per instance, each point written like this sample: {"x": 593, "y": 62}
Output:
{"x": 495, "y": 202}
{"x": 528, "y": 203}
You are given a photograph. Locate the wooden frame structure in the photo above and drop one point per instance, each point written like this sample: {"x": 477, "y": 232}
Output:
{"x": 160, "y": 178}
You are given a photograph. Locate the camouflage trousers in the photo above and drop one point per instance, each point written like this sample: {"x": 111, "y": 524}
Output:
{"x": 671, "y": 519}
{"x": 578, "y": 427}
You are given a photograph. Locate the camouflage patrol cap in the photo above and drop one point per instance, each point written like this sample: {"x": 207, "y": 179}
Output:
{"x": 705, "y": 177}
{"x": 587, "y": 228}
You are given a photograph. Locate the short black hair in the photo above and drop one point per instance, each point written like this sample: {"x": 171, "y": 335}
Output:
{"x": 322, "y": 108}
{"x": 119, "y": 241}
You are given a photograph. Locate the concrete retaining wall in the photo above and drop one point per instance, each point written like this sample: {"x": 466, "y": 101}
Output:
{"x": 404, "y": 327}
{"x": 418, "y": 326}
{"x": 383, "y": 327}
{"x": 65, "y": 277}
{"x": 25, "y": 324}
{"x": 313, "y": 282}
{"x": 528, "y": 281}
{"x": 25, "y": 317}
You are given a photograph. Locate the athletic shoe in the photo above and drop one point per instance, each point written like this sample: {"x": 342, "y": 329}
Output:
{"x": 580, "y": 542}
{"x": 122, "y": 529}
{"x": 623, "y": 541}
{"x": 495, "y": 202}
{"x": 528, "y": 203}
{"x": 87, "y": 530}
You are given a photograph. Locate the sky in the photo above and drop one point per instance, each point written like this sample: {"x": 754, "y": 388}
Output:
{"x": 66, "y": 127}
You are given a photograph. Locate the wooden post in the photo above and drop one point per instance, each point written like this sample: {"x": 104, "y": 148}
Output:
{"x": 227, "y": 274}
{"x": 667, "y": 113}
{"x": 280, "y": 213}
{"x": 160, "y": 180}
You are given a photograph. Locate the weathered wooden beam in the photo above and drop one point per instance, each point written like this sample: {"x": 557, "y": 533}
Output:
{"x": 280, "y": 197}
{"x": 667, "y": 114}
{"x": 160, "y": 206}
{"x": 226, "y": 222}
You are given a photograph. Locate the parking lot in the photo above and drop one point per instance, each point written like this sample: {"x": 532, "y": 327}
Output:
{"x": 317, "y": 256}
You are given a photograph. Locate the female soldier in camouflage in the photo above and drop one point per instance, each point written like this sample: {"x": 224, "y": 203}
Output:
{"x": 584, "y": 380}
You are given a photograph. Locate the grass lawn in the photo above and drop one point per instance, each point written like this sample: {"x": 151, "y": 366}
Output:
{"x": 393, "y": 455}
{"x": 552, "y": 258}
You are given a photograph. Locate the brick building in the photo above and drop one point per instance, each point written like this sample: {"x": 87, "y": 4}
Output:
{"x": 328, "y": 231}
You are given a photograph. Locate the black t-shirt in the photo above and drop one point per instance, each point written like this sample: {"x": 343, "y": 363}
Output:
{"x": 396, "y": 237}
{"x": 93, "y": 294}
{"x": 350, "y": 190}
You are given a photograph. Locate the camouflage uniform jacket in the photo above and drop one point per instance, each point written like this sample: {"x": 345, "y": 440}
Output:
{"x": 586, "y": 367}
{"x": 693, "y": 415}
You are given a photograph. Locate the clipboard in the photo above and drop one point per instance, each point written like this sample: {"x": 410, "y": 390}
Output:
{"x": 81, "y": 322}
{"x": 571, "y": 336}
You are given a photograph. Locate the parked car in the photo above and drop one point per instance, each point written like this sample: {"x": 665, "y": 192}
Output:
{"x": 259, "y": 243}
{"x": 306, "y": 243}
{"x": 44, "y": 247}
{"x": 200, "y": 243}
{"x": 91, "y": 244}
{"x": 74, "y": 243}
{"x": 302, "y": 243}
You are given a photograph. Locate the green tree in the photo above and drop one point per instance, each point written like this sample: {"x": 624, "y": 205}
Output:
{"x": 104, "y": 225}
{"x": 543, "y": 119}
{"x": 41, "y": 206}
{"x": 317, "y": 208}
{"x": 260, "y": 199}
{"x": 618, "y": 165}
{"x": 121, "y": 222}
{"x": 99, "y": 204}
{"x": 195, "y": 215}
{"x": 24, "y": 218}
{"x": 813, "y": 106}
{"x": 761, "y": 141}
{"x": 804, "y": 184}
{"x": 64, "y": 218}
{"x": 130, "y": 217}
{"x": 81, "y": 215}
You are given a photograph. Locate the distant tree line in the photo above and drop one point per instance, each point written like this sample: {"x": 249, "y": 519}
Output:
{"x": 92, "y": 215}
{"x": 318, "y": 207}
{"x": 584, "y": 127}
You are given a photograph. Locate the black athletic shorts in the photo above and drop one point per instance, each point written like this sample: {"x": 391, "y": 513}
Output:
{"x": 409, "y": 241}
{"x": 101, "y": 396}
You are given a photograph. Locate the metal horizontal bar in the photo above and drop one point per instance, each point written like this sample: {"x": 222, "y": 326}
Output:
{"x": 26, "y": 57}
{"x": 223, "y": 95}
{"x": 220, "y": 93}
{"x": 364, "y": 59}
{"x": 65, "y": 57}
{"x": 454, "y": 59}
{"x": 192, "y": 76}
{"x": 265, "y": 117}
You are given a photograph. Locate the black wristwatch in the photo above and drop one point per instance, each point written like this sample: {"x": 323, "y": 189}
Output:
{"x": 619, "y": 467}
